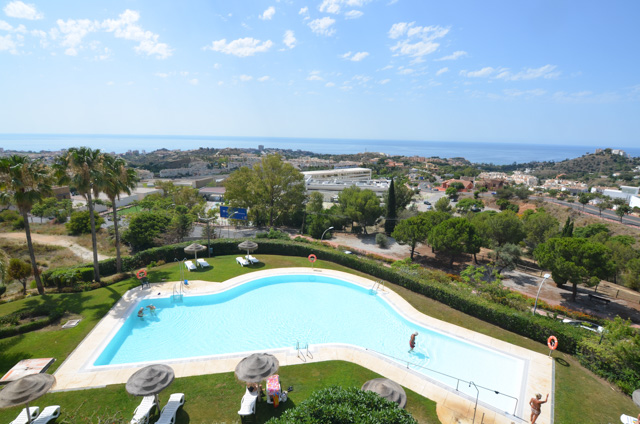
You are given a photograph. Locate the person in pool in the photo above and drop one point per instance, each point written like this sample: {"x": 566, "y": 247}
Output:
{"x": 535, "y": 406}
{"x": 412, "y": 341}
{"x": 141, "y": 312}
{"x": 152, "y": 309}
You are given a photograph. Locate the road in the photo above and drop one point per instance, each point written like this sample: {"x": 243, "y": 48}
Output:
{"x": 608, "y": 214}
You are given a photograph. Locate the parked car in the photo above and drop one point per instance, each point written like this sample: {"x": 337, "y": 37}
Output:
{"x": 584, "y": 324}
{"x": 429, "y": 207}
{"x": 426, "y": 202}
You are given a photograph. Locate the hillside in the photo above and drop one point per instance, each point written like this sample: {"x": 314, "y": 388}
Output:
{"x": 596, "y": 164}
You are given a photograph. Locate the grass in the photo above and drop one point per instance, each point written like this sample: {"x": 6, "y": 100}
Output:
{"x": 216, "y": 398}
{"x": 580, "y": 395}
{"x": 129, "y": 211}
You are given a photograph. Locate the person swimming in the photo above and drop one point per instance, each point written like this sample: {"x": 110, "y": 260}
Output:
{"x": 152, "y": 309}
{"x": 412, "y": 341}
{"x": 141, "y": 312}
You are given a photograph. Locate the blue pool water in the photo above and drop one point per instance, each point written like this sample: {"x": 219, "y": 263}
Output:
{"x": 276, "y": 312}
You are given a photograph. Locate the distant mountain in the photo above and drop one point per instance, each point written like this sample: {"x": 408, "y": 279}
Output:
{"x": 603, "y": 163}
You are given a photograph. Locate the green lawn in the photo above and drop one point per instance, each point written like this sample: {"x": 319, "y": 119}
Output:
{"x": 129, "y": 210}
{"x": 580, "y": 396}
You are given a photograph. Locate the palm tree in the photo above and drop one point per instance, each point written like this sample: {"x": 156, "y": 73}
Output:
{"x": 117, "y": 179}
{"x": 23, "y": 183}
{"x": 82, "y": 168}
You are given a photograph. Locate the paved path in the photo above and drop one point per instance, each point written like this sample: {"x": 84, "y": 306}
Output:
{"x": 63, "y": 241}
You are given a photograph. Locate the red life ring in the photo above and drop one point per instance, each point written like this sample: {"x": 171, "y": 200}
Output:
{"x": 312, "y": 258}
{"x": 552, "y": 342}
{"x": 141, "y": 274}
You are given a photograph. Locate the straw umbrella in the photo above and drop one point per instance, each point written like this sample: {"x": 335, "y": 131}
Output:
{"x": 257, "y": 367}
{"x": 195, "y": 248}
{"x": 150, "y": 380}
{"x": 636, "y": 397}
{"x": 388, "y": 389}
{"x": 26, "y": 389}
{"x": 248, "y": 245}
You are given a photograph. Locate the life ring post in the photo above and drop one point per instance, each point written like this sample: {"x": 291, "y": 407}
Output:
{"x": 552, "y": 343}
{"x": 312, "y": 259}
{"x": 141, "y": 274}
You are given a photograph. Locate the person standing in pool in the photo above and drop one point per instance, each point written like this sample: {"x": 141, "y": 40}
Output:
{"x": 412, "y": 341}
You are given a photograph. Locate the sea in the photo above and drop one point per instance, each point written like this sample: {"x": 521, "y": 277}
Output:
{"x": 476, "y": 152}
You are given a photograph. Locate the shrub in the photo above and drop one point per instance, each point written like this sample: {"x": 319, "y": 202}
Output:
{"x": 18, "y": 223}
{"x": 80, "y": 223}
{"x": 381, "y": 240}
{"x": 345, "y": 405}
{"x": 9, "y": 215}
{"x": 3, "y": 289}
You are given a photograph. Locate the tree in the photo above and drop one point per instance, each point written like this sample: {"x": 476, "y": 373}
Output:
{"x": 80, "y": 223}
{"x": 504, "y": 193}
{"x": 273, "y": 190}
{"x": 336, "y": 404}
{"x": 361, "y": 206}
{"x": 390, "y": 220}
{"x": 506, "y": 257}
{"x": 522, "y": 193}
{"x": 19, "y": 270}
{"x": 539, "y": 227}
{"x": 603, "y": 204}
{"x": 574, "y": 260}
{"x": 622, "y": 210}
{"x": 505, "y": 227}
{"x": 144, "y": 228}
{"x": 591, "y": 230}
{"x": 584, "y": 198}
{"x": 4, "y": 268}
{"x": 567, "y": 230}
{"x": 443, "y": 205}
{"x": 631, "y": 277}
{"x": 467, "y": 204}
{"x": 452, "y": 193}
{"x": 118, "y": 179}
{"x": 411, "y": 231}
{"x": 82, "y": 168}
{"x": 180, "y": 226}
{"x": 24, "y": 183}
{"x": 454, "y": 237}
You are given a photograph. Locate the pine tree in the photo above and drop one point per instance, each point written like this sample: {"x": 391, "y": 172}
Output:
{"x": 567, "y": 230}
{"x": 390, "y": 221}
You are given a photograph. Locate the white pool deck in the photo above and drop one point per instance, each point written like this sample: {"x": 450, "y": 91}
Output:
{"x": 452, "y": 407}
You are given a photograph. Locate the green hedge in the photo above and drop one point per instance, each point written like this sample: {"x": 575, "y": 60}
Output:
{"x": 52, "y": 316}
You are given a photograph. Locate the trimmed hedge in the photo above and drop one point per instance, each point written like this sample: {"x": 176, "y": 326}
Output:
{"x": 52, "y": 316}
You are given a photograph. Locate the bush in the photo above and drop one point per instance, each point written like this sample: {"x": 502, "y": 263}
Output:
{"x": 9, "y": 215}
{"x": 345, "y": 405}
{"x": 12, "y": 320}
{"x": 18, "y": 223}
{"x": 80, "y": 223}
{"x": 3, "y": 289}
{"x": 381, "y": 240}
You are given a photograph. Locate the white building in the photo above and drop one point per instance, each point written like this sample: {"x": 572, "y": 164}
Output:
{"x": 353, "y": 174}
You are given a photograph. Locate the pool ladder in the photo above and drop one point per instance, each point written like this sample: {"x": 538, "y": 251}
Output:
{"x": 178, "y": 290}
{"x": 378, "y": 285}
{"x": 303, "y": 351}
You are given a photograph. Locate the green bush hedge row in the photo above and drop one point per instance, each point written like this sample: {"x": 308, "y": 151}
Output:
{"x": 52, "y": 316}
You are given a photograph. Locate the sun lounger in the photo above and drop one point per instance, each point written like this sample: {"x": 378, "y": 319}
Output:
{"x": 626, "y": 419}
{"x": 168, "y": 415}
{"x": 242, "y": 261}
{"x": 49, "y": 413}
{"x": 252, "y": 259}
{"x": 22, "y": 417}
{"x": 190, "y": 265}
{"x": 203, "y": 263}
{"x": 248, "y": 403}
{"x": 143, "y": 411}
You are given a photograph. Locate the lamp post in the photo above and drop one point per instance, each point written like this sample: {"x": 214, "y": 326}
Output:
{"x": 328, "y": 229}
{"x": 208, "y": 220}
{"x": 535, "y": 305}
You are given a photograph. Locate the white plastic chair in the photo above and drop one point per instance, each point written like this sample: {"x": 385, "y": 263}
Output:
{"x": 22, "y": 416}
{"x": 252, "y": 259}
{"x": 168, "y": 415}
{"x": 242, "y": 261}
{"x": 248, "y": 403}
{"x": 143, "y": 411}
{"x": 49, "y": 413}
{"x": 203, "y": 263}
{"x": 190, "y": 265}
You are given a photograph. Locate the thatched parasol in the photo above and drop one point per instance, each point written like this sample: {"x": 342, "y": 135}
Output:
{"x": 248, "y": 245}
{"x": 636, "y": 397}
{"x": 195, "y": 248}
{"x": 26, "y": 389}
{"x": 257, "y": 367}
{"x": 388, "y": 389}
{"x": 150, "y": 380}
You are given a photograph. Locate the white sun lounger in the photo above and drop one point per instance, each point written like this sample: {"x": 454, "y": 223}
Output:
{"x": 168, "y": 415}
{"x": 49, "y": 413}
{"x": 203, "y": 263}
{"x": 242, "y": 261}
{"x": 22, "y": 416}
{"x": 248, "y": 403}
{"x": 143, "y": 411}
{"x": 190, "y": 265}
{"x": 252, "y": 259}
{"x": 626, "y": 419}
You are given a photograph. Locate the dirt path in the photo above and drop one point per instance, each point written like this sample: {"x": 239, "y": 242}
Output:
{"x": 63, "y": 241}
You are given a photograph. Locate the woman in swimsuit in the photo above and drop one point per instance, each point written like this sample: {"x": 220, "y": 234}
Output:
{"x": 535, "y": 406}
{"x": 412, "y": 341}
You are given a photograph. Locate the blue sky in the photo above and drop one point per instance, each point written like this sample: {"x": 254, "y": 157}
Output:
{"x": 506, "y": 71}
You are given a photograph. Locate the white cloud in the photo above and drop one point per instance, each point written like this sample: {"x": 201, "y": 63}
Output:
{"x": 384, "y": 81}
{"x": 245, "y": 78}
{"x": 330, "y": 84}
{"x": 334, "y": 6}
{"x": 304, "y": 12}
{"x": 242, "y": 47}
{"x": 73, "y": 32}
{"x": 7, "y": 43}
{"x": 111, "y": 83}
{"x": 289, "y": 39}
{"x": 387, "y": 67}
{"x": 406, "y": 71}
{"x": 524, "y": 93}
{"x": 104, "y": 54}
{"x": 420, "y": 41}
{"x": 18, "y": 9}
{"x": 162, "y": 74}
{"x": 125, "y": 27}
{"x": 268, "y": 14}
{"x": 194, "y": 81}
{"x": 315, "y": 76}
{"x": 442, "y": 71}
{"x": 323, "y": 26}
{"x": 484, "y": 72}
{"x": 5, "y": 26}
{"x": 353, "y": 14}
{"x": 357, "y": 57}
{"x": 547, "y": 72}
{"x": 453, "y": 56}
{"x": 264, "y": 78}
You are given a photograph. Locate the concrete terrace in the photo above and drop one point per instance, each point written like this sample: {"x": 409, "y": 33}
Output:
{"x": 452, "y": 407}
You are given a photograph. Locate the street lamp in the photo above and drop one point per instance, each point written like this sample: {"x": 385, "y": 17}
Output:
{"x": 328, "y": 229}
{"x": 535, "y": 305}
{"x": 208, "y": 220}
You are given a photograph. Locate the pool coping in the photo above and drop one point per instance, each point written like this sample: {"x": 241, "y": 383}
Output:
{"x": 452, "y": 406}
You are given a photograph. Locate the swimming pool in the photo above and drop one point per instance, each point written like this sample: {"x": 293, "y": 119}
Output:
{"x": 277, "y": 312}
